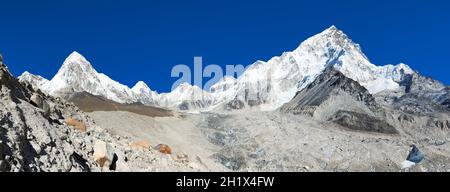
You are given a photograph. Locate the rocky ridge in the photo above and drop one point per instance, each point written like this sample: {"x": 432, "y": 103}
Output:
{"x": 41, "y": 133}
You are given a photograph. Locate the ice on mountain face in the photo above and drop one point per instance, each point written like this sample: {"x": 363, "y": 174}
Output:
{"x": 223, "y": 85}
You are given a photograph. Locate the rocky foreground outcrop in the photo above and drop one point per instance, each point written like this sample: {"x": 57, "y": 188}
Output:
{"x": 42, "y": 133}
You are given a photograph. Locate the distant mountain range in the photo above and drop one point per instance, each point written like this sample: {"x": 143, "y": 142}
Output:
{"x": 266, "y": 85}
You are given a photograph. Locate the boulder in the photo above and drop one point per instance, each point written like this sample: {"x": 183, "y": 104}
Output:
{"x": 103, "y": 155}
{"x": 76, "y": 124}
{"x": 79, "y": 163}
{"x": 140, "y": 145}
{"x": 415, "y": 155}
{"x": 235, "y": 104}
{"x": 163, "y": 148}
{"x": 37, "y": 100}
{"x": 46, "y": 108}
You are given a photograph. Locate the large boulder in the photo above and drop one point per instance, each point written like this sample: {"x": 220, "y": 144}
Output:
{"x": 104, "y": 155}
{"x": 37, "y": 100}
{"x": 415, "y": 155}
{"x": 163, "y": 148}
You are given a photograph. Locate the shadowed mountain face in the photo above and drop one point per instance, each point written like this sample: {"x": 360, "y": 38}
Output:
{"x": 331, "y": 81}
{"x": 90, "y": 103}
{"x": 336, "y": 98}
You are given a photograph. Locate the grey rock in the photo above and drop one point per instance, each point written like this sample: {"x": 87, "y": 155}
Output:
{"x": 36, "y": 147}
{"x": 415, "y": 155}
{"x": 37, "y": 100}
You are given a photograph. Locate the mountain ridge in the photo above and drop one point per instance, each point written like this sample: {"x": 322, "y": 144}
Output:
{"x": 265, "y": 84}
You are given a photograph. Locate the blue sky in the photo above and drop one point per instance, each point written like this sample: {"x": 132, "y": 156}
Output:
{"x": 142, "y": 40}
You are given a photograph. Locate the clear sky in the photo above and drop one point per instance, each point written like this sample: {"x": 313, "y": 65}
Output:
{"x": 142, "y": 40}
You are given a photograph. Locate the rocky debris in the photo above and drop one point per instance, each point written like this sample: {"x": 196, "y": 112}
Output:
{"x": 234, "y": 162}
{"x": 194, "y": 104}
{"x": 271, "y": 141}
{"x": 141, "y": 145}
{"x": 417, "y": 105}
{"x": 415, "y": 155}
{"x": 362, "y": 122}
{"x": 418, "y": 84}
{"x": 80, "y": 126}
{"x": 440, "y": 123}
{"x": 163, "y": 148}
{"x": 446, "y": 103}
{"x": 406, "y": 118}
{"x": 183, "y": 158}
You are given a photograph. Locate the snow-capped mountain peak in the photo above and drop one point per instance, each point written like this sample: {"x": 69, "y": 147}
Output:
{"x": 144, "y": 94}
{"x": 141, "y": 87}
{"x": 76, "y": 63}
{"x": 36, "y": 81}
{"x": 78, "y": 75}
{"x": 271, "y": 84}
{"x": 76, "y": 57}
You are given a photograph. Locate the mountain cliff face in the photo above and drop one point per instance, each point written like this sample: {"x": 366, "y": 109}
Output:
{"x": 337, "y": 98}
{"x": 29, "y": 124}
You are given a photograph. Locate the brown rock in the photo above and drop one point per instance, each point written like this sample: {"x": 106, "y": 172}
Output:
{"x": 163, "y": 148}
{"x": 76, "y": 124}
{"x": 142, "y": 144}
